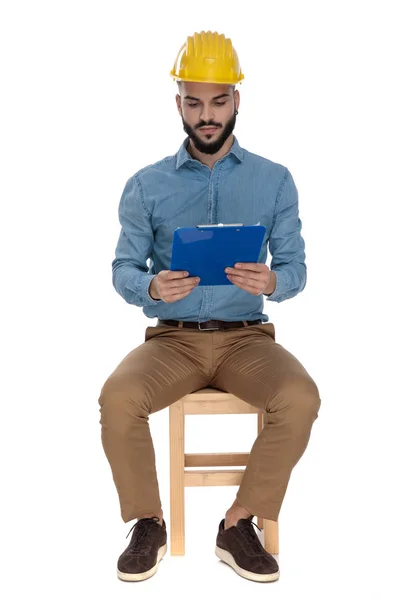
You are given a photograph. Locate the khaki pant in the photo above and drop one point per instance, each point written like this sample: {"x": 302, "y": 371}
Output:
{"x": 173, "y": 362}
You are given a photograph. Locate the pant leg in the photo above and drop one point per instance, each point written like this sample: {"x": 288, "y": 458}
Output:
{"x": 167, "y": 366}
{"x": 252, "y": 366}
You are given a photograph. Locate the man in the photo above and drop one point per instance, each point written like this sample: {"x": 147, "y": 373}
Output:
{"x": 213, "y": 336}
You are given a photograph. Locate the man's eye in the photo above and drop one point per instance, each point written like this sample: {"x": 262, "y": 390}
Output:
{"x": 216, "y": 104}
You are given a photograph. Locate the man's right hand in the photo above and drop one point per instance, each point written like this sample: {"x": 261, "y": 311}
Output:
{"x": 171, "y": 286}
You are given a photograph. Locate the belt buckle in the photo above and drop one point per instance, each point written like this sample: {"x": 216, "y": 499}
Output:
{"x": 207, "y": 328}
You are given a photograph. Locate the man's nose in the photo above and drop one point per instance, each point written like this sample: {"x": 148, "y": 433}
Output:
{"x": 207, "y": 113}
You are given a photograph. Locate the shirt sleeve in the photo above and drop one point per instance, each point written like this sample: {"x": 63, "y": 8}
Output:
{"x": 286, "y": 243}
{"x": 130, "y": 275}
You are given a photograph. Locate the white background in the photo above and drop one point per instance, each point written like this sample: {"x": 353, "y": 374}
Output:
{"x": 86, "y": 101}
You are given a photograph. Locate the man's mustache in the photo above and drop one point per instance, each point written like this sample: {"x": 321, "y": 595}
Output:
{"x": 212, "y": 124}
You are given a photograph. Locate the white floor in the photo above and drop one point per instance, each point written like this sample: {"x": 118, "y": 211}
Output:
{"x": 313, "y": 569}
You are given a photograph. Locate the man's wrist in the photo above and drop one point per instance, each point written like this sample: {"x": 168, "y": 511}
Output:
{"x": 153, "y": 289}
{"x": 270, "y": 288}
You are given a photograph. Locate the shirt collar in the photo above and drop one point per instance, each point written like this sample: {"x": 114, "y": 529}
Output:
{"x": 183, "y": 156}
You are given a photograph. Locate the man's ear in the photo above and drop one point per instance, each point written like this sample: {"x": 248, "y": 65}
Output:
{"x": 178, "y": 103}
{"x": 236, "y": 96}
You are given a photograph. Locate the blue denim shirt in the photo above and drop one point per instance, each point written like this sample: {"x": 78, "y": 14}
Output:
{"x": 179, "y": 191}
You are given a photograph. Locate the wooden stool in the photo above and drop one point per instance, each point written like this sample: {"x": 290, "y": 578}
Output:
{"x": 205, "y": 402}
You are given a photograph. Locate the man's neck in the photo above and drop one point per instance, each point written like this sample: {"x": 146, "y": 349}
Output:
{"x": 210, "y": 159}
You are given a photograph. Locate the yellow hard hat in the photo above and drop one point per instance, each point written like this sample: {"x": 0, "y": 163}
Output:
{"x": 209, "y": 58}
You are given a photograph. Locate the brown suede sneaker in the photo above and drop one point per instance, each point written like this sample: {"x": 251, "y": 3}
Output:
{"x": 240, "y": 548}
{"x": 145, "y": 550}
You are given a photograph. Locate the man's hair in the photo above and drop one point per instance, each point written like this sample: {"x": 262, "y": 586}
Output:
{"x": 231, "y": 87}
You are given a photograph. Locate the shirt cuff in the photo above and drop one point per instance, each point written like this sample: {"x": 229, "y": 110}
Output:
{"x": 144, "y": 291}
{"x": 280, "y": 288}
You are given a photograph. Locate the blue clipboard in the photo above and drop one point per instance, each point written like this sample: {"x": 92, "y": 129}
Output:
{"x": 206, "y": 250}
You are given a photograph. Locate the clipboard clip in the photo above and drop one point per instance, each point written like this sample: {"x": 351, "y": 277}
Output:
{"x": 221, "y": 225}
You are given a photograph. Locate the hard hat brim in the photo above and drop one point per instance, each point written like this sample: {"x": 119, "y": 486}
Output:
{"x": 211, "y": 80}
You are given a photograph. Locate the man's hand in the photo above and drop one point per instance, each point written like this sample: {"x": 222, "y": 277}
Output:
{"x": 171, "y": 286}
{"x": 255, "y": 278}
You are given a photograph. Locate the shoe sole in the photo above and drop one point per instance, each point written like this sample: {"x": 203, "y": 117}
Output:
{"x": 226, "y": 557}
{"x": 145, "y": 574}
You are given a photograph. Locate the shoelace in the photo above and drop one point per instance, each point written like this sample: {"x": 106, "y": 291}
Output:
{"x": 141, "y": 548}
{"x": 251, "y": 538}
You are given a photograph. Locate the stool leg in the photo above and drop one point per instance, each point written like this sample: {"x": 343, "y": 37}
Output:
{"x": 271, "y": 536}
{"x": 177, "y": 484}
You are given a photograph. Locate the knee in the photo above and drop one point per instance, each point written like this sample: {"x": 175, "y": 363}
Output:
{"x": 300, "y": 397}
{"x": 309, "y": 398}
{"x": 123, "y": 400}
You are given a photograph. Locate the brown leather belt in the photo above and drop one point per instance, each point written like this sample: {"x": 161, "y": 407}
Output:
{"x": 207, "y": 325}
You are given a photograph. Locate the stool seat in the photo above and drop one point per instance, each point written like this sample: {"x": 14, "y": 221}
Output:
{"x": 207, "y": 401}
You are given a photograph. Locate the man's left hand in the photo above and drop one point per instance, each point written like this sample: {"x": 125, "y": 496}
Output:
{"x": 255, "y": 278}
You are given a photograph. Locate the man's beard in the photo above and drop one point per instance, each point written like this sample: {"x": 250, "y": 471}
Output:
{"x": 210, "y": 147}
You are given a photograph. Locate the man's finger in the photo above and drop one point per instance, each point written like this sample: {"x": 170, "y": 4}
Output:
{"x": 252, "y": 289}
{"x": 244, "y": 277}
{"x": 251, "y": 266}
{"x": 174, "y": 274}
{"x": 256, "y": 275}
